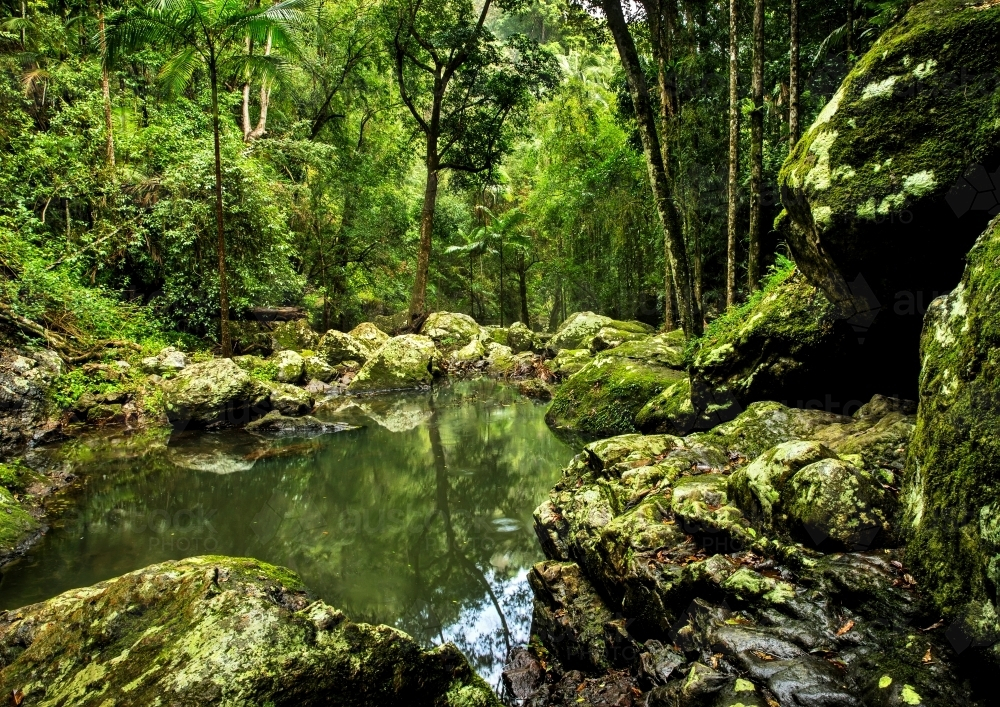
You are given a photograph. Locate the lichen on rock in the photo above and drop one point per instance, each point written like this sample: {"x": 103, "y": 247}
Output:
{"x": 218, "y": 631}
{"x": 408, "y": 361}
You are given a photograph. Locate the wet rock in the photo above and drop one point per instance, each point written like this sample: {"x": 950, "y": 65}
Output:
{"x": 102, "y": 414}
{"x": 25, "y": 379}
{"x": 523, "y": 674}
{"x": 535, "y": 388}
{"x": 569, "y": 615}
{"x": 295, "y": 335}
{"x": 520, "y": 338}
{"x": 409, "y": 361}
{"x": 214, "y": 631}
{"x": 18, "y": 527}
{"x": 336, "y": 348}
{"x": 290, "y": 400}
{"x": 317, "y": 388}
{"x": 289, "y": 367}
{"x": 303, "y": 425}
{"x": 216, "y": 392}
{"x": 658, "y": 663}
{"x": 449, "y": 329}
{"x": 169, "y": 360}
{"x": 369, "y": 335}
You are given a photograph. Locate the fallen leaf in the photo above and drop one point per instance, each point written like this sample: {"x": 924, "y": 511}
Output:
{"x": 762, "y": 655}
{"x": 928, "y": 658}
{"x": 18, "y": 696}
{"x": 845, "y": 628}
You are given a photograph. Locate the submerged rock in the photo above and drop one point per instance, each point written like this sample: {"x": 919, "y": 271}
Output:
{"x": 219, "y": 631}
{"x": 449, "y": 329}
{"x": 275, "y": 422}
{"x": 952, "y": 505}
{"x": 216, "y": 392}
{"x": 408, "y": 361}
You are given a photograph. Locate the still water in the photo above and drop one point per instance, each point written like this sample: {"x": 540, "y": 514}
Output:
{"x": 420, "y": 518}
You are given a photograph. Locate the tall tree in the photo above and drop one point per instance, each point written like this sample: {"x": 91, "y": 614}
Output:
{"x": 210, "y": 35}
{"x": 756, "y": 149}
{"x": 734, "y": 152}
{"x": 675, "y": 249}
{"x": 794, "y": 83}
{"x": 109, "y": 132}
{"x": 466, "y": 91}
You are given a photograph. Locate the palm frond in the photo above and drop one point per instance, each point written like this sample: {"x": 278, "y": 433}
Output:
{"x": 176, "y": 73}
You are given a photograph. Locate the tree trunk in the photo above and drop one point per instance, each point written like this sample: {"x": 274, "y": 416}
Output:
{"x": 756, "y": 148}
{"x": 227, "y": 344}
{"x": 675, "y": 251}
{"x": 500, "y": 298}
{"x": 418, "y": 301}
{"x": 522, "y": 286}
{"x": 850, "y": 30}
{"x": 793, "y": 77}
{"x": 109, "y": 147}
{"x": 669, "y": 323}
{"x": 734, "y": 153}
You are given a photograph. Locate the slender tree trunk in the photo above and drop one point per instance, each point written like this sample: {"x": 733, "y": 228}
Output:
{"x": 756, "y": 148}
{"x": 500, "y": 299}
{"x": 109, "y": 132}
{"x": 850, "y": 30}
{"x": 227, "y": 344}
{"x": 246, "y": 109}
{"x": 734, "y": 152}
{"x": 522, "y": 286}
{"x": 669, "y": 323}
{"x": 793, "y": 77}
{"x": 418, "y": 302}
{"x": 675, "y": 251}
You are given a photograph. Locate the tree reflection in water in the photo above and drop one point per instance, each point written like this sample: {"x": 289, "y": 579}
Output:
{"x": 421, "y": 519}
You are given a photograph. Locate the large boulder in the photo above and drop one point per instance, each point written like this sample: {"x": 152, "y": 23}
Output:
{"x": 450, "y": 329}
{"x": 713, "y": 603}
{"x": 218, "y": 631}
{"x": 520, "y": 338}
{"x": 951, "y": 494}
{"x": 369, "y": 335}
{"x": 295, "y": 335}
{"x": 336, "y": 348}
{"x": 890, "y": 187}
{"x": 216, "y": 392}
{"x": 604, "y": 397}
{"x": 580, "y": 328}
{"x": 25, "y": 381}
{"x": 289, "y": 367}
{"x": 408, "y": 361}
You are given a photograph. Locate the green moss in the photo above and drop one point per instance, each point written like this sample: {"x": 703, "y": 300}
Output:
{"x": 950, "y": 495}
{"x": 16, "y": 524}
{"x": 605, "y": 396}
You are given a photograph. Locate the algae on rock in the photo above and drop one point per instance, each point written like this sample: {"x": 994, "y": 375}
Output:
{"x": 219, "y": 631}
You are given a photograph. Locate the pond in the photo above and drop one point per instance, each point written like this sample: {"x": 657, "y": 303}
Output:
{"x": 420, "y": 518}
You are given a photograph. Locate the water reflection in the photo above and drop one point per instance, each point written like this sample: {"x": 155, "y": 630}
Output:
{"x": 420, "y": 519}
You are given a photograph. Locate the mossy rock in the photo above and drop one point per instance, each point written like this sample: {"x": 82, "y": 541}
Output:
{"x": 604, "y": 397}
{"x": 215, "y": 392}
{"x": 336, "y": 347}
{"x": 952, "y": 506}
{"x": 408, "y": 361}
{"x": 520, "y": 338}
{"x": 884, "y": 184}
{"x": 289, "y": 367}
{"x": 369, "y": 335}
{"x": 580, "y": 328}
{"x": 609, "y": 337}
{"x": 569, "y": 361}
{"x": 17, "y": 526}
{"x": 451, "y": 330}
{"x": 219, "y": 631}
{"x": 295, "y": 335}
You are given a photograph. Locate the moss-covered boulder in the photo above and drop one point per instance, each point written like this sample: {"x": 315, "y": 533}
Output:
{"x": 609, "y": 337}
{"x": 951, "y": 498}
{"x": 450, "y": 329}
{"x": 408, "y": 361}
{"x": 289, "y": 367}
{"x": 580, "y": 328}
{"x": 288, "y": 399}
{"x": 886, "y": 183}
{"x": 336, "y": 348}
{"x": 369, "y": 335}
{"x": 520, "y": 338}
{"x": 295, "y": 335}
{"x": 569, "y": 361}
{"x": 500, "y": 359}
{"x": 317, "y": 368}
{"x": 18, "y": 527}
{"x": 604, "y": 397}
{"x": 218, "y": 631}
{"x": 216, "y": 392}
